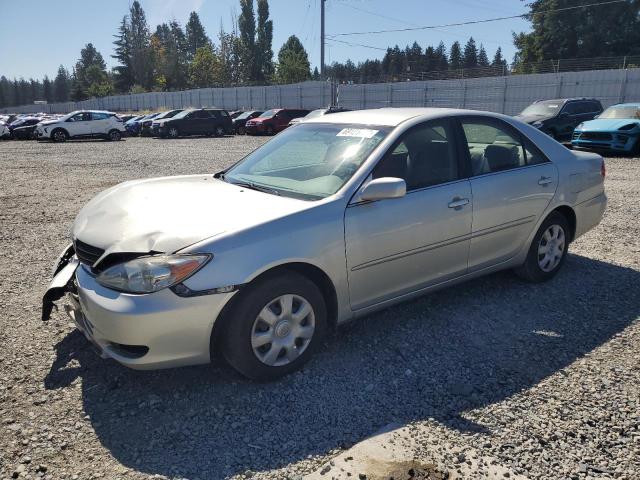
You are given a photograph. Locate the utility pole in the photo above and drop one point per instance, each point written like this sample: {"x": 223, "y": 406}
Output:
{"x": 322, "y": 38}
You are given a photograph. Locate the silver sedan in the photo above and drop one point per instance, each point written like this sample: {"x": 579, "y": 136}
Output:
{"x": 331, "y": 220}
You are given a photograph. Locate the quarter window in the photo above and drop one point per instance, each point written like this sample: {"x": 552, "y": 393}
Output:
{"x": 492, "y": 148}
{"x": 425, "y": 156}
{"x": 99, "y": 116}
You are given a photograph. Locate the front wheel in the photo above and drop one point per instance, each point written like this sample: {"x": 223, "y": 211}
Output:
{"x": 241, "y": 131}
{"x": 270, "y": 131}
{"x": 548, "y": 250}
{"x": 59, "y": 135}
{"x": 219, "y": 131}
{"x": 173, "y": 132}
{"x": 275, "y": 326}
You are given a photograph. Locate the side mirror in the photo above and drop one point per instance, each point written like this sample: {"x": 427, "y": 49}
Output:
{"x": 384, "y": 188}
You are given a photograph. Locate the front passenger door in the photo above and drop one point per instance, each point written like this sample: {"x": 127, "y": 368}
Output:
{"x": 400, "y": 245}
{"x": 79, "y": 125}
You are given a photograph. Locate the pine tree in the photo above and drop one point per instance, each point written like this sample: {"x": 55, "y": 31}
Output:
{"x": 470, "y": 55}
{"x": 455, "y": 56}
{"x": 61, "y": 85}
{"x": 293, "y": 62}
{"x": 483, "y": 60}
{"x": 498, "y": 61}
{"x": 196, "y": 37}
{"x": 123, "y": 72}
{"x": 442, "y": 62}
{"x": 264, "y": 41}
{"x": 47, "y": 91}
{"x": 139, "y": 41}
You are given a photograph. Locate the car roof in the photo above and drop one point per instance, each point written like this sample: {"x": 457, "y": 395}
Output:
{"x": 636, "y": 105}
{"x": 392, "y": 117}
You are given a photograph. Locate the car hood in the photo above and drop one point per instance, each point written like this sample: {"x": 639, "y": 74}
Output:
{"x": 48, "y": 122}
{"x": 607, "y": 124}
{"x": 532, "y": 118}
{"x": 168, "y": 214}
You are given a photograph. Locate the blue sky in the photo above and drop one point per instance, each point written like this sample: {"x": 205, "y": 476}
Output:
{"x": 38, "y": 35}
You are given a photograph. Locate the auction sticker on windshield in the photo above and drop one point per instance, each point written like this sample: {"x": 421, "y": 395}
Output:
{"x": 357, "y": 132}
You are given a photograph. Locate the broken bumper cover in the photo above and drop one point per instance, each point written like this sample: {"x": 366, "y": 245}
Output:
{"x": 149, "y": 331}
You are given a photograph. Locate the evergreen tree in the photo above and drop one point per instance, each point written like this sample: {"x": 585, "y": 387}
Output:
{"x": 196, "y": 37}
{"x": 61, "y": 85}
{"x": 247, "y": 27}
{"x": 483, "y": 59}
{"x": 90, "y": 75}
{"x": 47, "y": 91}
{"x": 442, "y": 62}
{"x": 499, "y": 62}
{"x": 455, "y": 56}
{"x": 264, "y": 41}
{"x": 4, "y": 93}
{"x": 123, "y": 72}
{"x": 415, "y": 58}
{"x": 293, "y": 62}
{"x": 470, "y": 55}
{"x": 140, "y": 49}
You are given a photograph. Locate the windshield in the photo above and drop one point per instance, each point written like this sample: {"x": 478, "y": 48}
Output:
{"x": 311, "y": 161}
{"x": 244, "y": 115}
{"x": 549, "y": 108}
{"x": 621, "y": 112}
{"x": 316, "y": 113}
{"x": 268, "y": 114}
{"x": 182, "y": 114}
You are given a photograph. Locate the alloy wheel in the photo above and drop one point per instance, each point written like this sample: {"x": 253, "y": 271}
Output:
{"x": 173, "y": 132}
{"x": 283, "y": 330}
{"x": 551, "y": 248}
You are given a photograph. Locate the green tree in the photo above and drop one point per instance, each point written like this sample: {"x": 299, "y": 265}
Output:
{"x": 139, "y": 38}
{"x": 61, "y": 85}
{"x": 483, "y": 59}
{"x": 247, "y": 27}
{"x": 293, "y": 62}
{"x": 595, "y": 31}
{"x": 442, "y": 62}
{"x": 90, "y": 69}
{"x": 47, "y": 91}
{"x": 123, "y": 73}
{"x": 196, "y": 37}
{"x": 470, "y": 55}
{"x": 455, "y": 56}
{"x": 264, "y": 43}
{"x": 204, "y": 69}
{"x": 229, "y": 53}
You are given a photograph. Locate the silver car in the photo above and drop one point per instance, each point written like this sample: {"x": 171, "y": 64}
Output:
{"x": 331, "y": 220}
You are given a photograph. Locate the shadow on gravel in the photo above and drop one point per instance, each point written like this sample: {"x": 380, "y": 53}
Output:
{"x": 454, "y": 350}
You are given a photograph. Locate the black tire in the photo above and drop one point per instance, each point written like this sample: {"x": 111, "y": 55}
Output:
{"x": 241, "y": 130}
{"x": 531, "y": 270}
{"x": 239, "y": 325}
{"x": 219, "y": 131}
{"x": 114, "y": 136}
{"x": 59, "y": 135}
{"x": 270, "y": 131}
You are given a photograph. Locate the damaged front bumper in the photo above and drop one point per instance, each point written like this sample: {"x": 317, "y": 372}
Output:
{"x": 141, "y": 331}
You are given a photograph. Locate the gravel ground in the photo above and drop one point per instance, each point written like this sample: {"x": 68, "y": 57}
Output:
{"x": 543, "y": 379}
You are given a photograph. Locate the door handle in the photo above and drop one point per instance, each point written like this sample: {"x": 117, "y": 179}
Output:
{"x": 545, "y": 181}
{"x": 458, "y": 203}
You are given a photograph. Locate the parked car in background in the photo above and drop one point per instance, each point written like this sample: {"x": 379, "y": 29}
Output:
{"x": 200, "y": 121}
{"x": 126, "y": 118}
{"x": 617, "y": 129}
{"x": 235, "y": 114}
{"x": 155, "y": 123}
{"x": 82, "y": 124}
{"x": 338, "y": 217}
{"x": 273, "y": 121}
{"x": 26, "y": 131}
{"x": 23, "y": 121}
{"x": 318, "y": 113}
{"x": 558, "y": 118}
{"x": 5, "y": 133}
{"x": 240, "y": 121}
{"x": 132, "y": 126}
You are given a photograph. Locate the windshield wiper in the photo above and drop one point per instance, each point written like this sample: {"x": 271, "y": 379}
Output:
{"x": 256, "y": 186}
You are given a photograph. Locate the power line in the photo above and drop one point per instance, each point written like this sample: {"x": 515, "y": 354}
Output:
{"x": 357, "y": 44}
{"x": 397, "y": 20}
{"x": 475, "y": 22}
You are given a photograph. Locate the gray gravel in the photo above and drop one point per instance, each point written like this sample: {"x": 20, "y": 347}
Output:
{"x": 544, "y": 379}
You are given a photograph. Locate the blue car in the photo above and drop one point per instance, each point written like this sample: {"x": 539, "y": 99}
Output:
{"x": 134, "y": 125}
{"x": 617, "y": 129}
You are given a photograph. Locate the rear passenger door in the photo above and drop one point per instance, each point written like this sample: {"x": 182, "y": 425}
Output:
{"x": 512, "y": 184}
{"x": 203, "y": 123}
{"x": 396, "y": 246}
{"x": 99, "y": 123}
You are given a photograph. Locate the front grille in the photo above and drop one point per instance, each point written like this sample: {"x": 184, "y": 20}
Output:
{"x": 87, "y": 254}
{"x": 595, "y": 136}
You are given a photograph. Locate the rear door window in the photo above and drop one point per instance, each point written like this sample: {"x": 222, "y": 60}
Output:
{"x": 493, "y": 147}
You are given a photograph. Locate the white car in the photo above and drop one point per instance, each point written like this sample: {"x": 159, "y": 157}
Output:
{"x": 82, "y": 124}
{"x": 4, "y": 131}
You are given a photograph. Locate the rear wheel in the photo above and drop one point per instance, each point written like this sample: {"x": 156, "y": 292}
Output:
{"x": 114, "y": 136}
{"x": 270, "y": 130}
{"x": 241, "y": 130}
{"x": 275, "y": 326}
{"x": 219, "y": 131}
{"x": 548, "y": 250}
{"x": 59, "y": 135}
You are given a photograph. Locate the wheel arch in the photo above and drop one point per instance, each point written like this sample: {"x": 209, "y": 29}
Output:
{"x": 308, "y": 270}
{"x": 567, "y": 212}
{"x": 66, "y": 132}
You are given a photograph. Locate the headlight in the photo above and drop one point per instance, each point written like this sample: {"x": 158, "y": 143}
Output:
{"x": 537, "y": 124}
{"x": 579, "y": 127}
{"x": 152, "y": 273}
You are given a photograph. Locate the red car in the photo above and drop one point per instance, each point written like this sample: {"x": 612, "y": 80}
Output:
{"x": 273, "y": 121}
